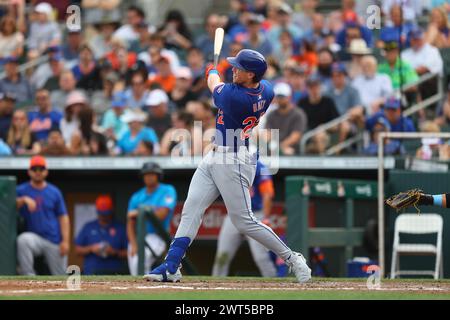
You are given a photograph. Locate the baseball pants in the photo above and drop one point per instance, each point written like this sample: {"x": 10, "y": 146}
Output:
{"x": 228, "y": 243}
{"x": 30, "y": 245}
{"x": 158, "y": 246}
{"x": 229, "y": 174}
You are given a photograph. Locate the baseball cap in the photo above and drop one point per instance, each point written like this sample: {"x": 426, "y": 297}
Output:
{"x": 11, "y": 59}
{"x": 134, "y": 116}
{"x": 392, "y": 104}
{"x": 75, "y": 97}
{"x": 119, "y": 100}
{"x": 104, "y": 205}
{"x": 338, "y": 67}
{"x": 183, "y": 73}
{"x": 285, "y": 8}
{"x": 416, "y": 33}
{"x": 38, "y": 161}
{"x": 57, "y": 56}
{"x": 8, "y": 96}
{"x": 53, "y": 49}
{"x": 44, "y": 7}
{"x": 156, "y": 97}
{"x": 255, "y": 19}
{"x": 312, "y": 80}
{"x": 282, "y": 89}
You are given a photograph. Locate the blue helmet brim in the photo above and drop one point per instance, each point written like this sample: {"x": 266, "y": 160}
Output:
{"x": 233, "y": 61}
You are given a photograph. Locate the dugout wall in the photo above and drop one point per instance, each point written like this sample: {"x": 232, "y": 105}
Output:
{"x": 8, "y": 225}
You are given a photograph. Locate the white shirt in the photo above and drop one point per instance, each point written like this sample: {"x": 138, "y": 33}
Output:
{"x": 428, "y": 56}
{"x": 372, "y": 89}
{"x": 412, "y": 9}
{"x": 169, "y": 54}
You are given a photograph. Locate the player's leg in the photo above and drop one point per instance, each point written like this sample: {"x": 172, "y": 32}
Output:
{"x": 56, "y": 263}
{"x": 29, "y": 245}
{"x": 202, "y": 192}
{"x": 227, "y": 245}
{"x": 158, "y": 246}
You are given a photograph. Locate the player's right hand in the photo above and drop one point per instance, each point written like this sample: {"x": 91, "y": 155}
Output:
{"x": 31, "y": 204}
{"x": 209, "y": 68}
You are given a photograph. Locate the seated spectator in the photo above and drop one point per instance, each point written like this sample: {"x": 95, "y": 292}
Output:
{"x": 438, "y": 32}
{"x": 177, "y": 140}
{"x": 70, "y": 124}
{"x": 347, "y": 101}
{"x": 164, "y": 77}
{"x": 296, "y": 76}
{"x": 399, "y": 70}
{"x": 431, "y": 147}
{"x": 101, "y": 42}
{"x": 129, "y": 31}
{"x": 55, "y": 145}
{"x": 196, "y": 62}
{"x": 157, "y": 105}
{"x": 285, "y": 47}
{"x": 325, "y": 61}
{"x": 137, "y": 94}
{"x": 44, "y": 32}
{"x": 103, "y": 242}
{"x": 202, "y": 135}
{"x": 112, "y": 123}
{"x": 47, "y": 232}
{"x": 119, "y": 57}
{"x": 136, "y": 132}
{"x": 85, "y": 71}
{"x": 257, "y": 39}
{"x": 373, "y": 87}
{"x": 144, "y": 149}
{"x": 289, "y": 120}
{"x": 305, "y": 17}
{"x": 182, "y": 92}
{"x": 66, "y": 86}
{"x": 391, "y": 147}
{"x": 315, "y": 34}
{"x": 97, "y": 11}
{"x": 156, "y": 50}
{"x": 398, "y": 29}
{"x": 44, "y": 118}
{"x": 21, "y": 140}
{"x": 14, "y": 82}
{"x": 88, "y": 140}
{"x": 101, "y": 98}
{"x": 5, "y": 150}
{"x": 392, "y": 112}
{"x": 143, "y": 43}
{"x": 283, "y": 23}
{"x": 71, "y": 50}
{"x": 56, "y": 67}
{"x": 352, "y": 31}
{"x": 176, "y": 31}
{"x": 306, "y": 56}
{"x": 11, "y": 40}
{"x": 7, "y": 102}
{"x": 358, "y": 49}
{"x": 412, "y": 10}
{"x": 205, "y": 41}
{"x": 44, "y": 71}
{"x": 318, "y": 110}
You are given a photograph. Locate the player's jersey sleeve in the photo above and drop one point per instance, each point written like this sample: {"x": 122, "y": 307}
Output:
{"x": 222, "y": 95}
{"x": 169, "y": 199}
{"x": 60, "y": 206}
{"x": 133, "y": 204}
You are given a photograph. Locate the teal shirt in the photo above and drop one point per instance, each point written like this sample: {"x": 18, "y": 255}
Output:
{"x": 111, "y": 120}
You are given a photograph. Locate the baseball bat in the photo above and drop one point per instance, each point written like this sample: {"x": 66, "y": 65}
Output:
{"x": 218, "y": 40}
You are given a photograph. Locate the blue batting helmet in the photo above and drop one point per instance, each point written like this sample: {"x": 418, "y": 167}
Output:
{"x": 250, "y": 60}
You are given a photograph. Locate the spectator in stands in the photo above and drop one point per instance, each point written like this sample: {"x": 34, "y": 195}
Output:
{"x": 431, "y": 147}
{"x": 289, "y": 120}
{"x": 143, "y": 42}
{"x": 325, "y": 61}
{"x": 164, "y": 77}
{"x": 162, "y": 198}
{"x": 137, "y": 94}
{"x": 119, "y": 57}
{"x": 136, "y": 132}
{"x": 20, "y": 138}
{"x": 398, "y": 28}
{"x": 67, "y": 85}
{"x": 391, "y": 147}
{"x": 44, "y": 32}
{"x": 97, "y": 11}
{"x": 70, "y": 124}
{"x": 373, "y": 87}
{"x": 5, "y": 150}
{"x": 129, "y": 32}
{"x": 7, "y": 102}
{"x": 182, "y": 92}
{"x": 202, "y": 135}
{"x": 110, "y": 82}
{"x": 316, "y": 34}
{"x": 423, "y": 57}
{"x": 103, "y": 242}
{"x": 112, "y": 123}
{"x": 392, "y": 112}
{"x": 438, "y": 32}
{"x": 283, "y": 23}
{"x": 101, "y": 42}
{"x": 353, "y": 30}
{"x": 144, "y": 149}
{"x": 88, "y": 140}
{"x": 296, "y": 76}
{"x": 55, "y": 145}
{"x": 44, "y": 118}
{"x": 318, "y": 109}
{"x": 177, "y": 140}
{"x": 85, "y": 70}
{"x": 399, "y": 70}
{"x": 11, "y": 40}
{"x": 205, "y": 41}
{"x": 358, "y": 49}
{"x": 157, "y": 50}
{"x": 14, "y": 82}
{"x": 176, "y": 31}
{"x": 305, "y": 17}
{"x": 257, "y": 39}
{"x": 347, "y": 101}
{"x": 71, "y": 50}
{"x": 56, "y": 67}
{"x": 412, "y": 10}
{"x": 157, "y": 105}
{"x": 284, "y": 50}
{"x": 43, "y": 72}
{"x": 41, "y": 204}
{"x": 196, "y": 62}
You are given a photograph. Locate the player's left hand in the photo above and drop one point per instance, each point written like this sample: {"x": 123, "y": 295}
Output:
{"x": 209, "y": 68}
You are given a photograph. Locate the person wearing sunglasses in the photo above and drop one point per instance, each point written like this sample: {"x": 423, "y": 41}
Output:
{"x": 47, "y": 225}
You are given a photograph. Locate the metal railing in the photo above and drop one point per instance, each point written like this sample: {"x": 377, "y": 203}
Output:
{"x": 28, "y": 65}
{"x": 360, "y": 135}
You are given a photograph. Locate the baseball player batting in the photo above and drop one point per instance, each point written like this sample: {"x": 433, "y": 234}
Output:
{"x": 230, "y": 238}
{"x": 229, "y": 168}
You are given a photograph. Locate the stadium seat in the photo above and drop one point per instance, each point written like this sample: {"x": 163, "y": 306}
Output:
{"x": 417, "y": 225}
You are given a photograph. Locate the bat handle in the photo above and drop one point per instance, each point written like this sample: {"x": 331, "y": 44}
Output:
{"x": 216, "y": 60}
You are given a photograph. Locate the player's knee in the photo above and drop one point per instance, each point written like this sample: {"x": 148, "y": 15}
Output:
{"x": 25, "y": 240}
{"x": 221, "y": 259}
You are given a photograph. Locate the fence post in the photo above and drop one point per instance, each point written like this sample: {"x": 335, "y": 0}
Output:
{"x": 141, "y": 232}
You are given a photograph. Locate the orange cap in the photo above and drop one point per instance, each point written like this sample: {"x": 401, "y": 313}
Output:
{"x": 38, "y": 161}
{"x": 104, "y": 204}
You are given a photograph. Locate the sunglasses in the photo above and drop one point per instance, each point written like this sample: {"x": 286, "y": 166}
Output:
{"x": 38, "y": 168}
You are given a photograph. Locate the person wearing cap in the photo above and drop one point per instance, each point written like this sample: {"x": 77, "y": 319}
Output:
{"x": 182, "y": 93}
{"x": 14, "y": 82}
{"x": 44, "y": 118}
{"x": 47, "y": 226}
{"x": 412, "y": 9}
{"x": 7, "y": 102}
{"x": 157, "y": 105}
{"x": 162, "y": 198}
{"x": 57, "y": 67}
{"x": 137, "y": 93}
{"x": 43, "y": 32}
{"x": 164, "y": 77}
{"x": 392, "y": 112}
{"x": 399, "y": 70}
{"x": 398, "y": 28}
{"x": 373, "y": 87}
{"x": 103, "y": 242}
{"x": 391, "y": 147}
{"x": 44, "y": 70}
{"x": 66, "y": 85}
{"x": 70, "y": 50}
{"x": 256, "y": 39}
{"x": 137, "y": 131}
{"x": 289, "y": 120}
{"x": 112, "y": 123}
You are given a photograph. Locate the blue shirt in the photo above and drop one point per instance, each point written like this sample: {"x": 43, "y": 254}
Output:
{"x": 261, "y": 176}
{"x": 128, "y": 143}
{"x": 404, "y": 124}
{"x": 164, "y": 196}
{"x": 240, "y": 109}
{"x": 115, "y": 235}
{"x": 42, "y": 123}
{"x": 49, "y": 207}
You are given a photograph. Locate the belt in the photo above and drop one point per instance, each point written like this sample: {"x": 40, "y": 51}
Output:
{"x": 228, "y": 148}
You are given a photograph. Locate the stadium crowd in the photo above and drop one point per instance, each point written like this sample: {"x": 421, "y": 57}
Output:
{"x": 119, "y": 85}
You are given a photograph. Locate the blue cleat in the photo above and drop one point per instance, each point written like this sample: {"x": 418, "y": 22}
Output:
{"x": 162, "y": 273}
